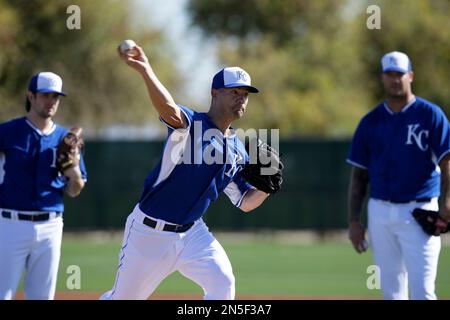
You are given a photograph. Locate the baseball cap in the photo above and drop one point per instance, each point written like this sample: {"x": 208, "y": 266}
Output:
{"x": 396, "y": 61}
{"x": 44, "y": 82}
{"x": 233, "y": 77}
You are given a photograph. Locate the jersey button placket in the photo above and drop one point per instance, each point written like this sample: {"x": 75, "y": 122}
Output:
{"x": 392, "y": 155}
{"x": 36, "y": 156}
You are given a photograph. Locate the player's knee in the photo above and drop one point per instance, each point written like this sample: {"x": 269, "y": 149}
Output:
{"x": 222, "y": 287}
{"x": 227, "y": 281}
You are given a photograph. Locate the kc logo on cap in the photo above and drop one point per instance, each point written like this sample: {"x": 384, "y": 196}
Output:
{"x": 393, "y": 61}
{"x": 241, "y": 74}
{"x": 396, "y": 61}
{"x": 44, "y": 82}
{"x": 233, "y": 77}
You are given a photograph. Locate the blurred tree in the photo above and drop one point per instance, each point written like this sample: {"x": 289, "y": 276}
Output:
{"x": 299, "y": 52}
{"x": 101, "y": 89}
{"x": 420, "y": 28}
{"x": 317, "y": 63}
{"x": 282, "y": 20}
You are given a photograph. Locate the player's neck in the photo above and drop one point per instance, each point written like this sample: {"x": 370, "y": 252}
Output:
{"x": 396, "y": 104}
{"x": 43, "y": 124}
{"x": 221, "y": 123}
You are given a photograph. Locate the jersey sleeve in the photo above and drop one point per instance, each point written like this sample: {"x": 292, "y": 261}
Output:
{"x": 440, "y": 135}
{"x": 188, "y": 114}
{"x": 359, "y": 151}
{"x": 237, "y": 189}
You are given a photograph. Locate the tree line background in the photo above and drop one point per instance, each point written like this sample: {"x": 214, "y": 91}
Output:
{"x": 316, "y": 62}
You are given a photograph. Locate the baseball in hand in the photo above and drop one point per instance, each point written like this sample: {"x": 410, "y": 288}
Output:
{"x": 128, "y": 47}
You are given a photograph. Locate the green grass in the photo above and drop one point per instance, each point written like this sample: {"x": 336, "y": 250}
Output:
{"x": 260, "y": 266}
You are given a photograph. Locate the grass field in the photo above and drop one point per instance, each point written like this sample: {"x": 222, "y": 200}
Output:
{"x": 262, "y": 266}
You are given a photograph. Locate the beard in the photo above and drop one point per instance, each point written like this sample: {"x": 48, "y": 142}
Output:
{"x": 238, "y": 113}
{"x": 397, "y": 96}
{"x": 46, "y": 113}
{"x": 396, "y": 93}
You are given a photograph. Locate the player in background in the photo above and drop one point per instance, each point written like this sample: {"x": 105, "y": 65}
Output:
{"x": 165, "y": 232}
{"x": 31, "y": 193}
{"x": 401, "y": 148}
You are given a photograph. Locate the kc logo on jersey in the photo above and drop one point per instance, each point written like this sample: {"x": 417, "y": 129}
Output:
{"x": 415, "y": 135}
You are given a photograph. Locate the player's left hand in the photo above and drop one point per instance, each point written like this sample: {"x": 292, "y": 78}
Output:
{"x": 431, "y": 222}
{"x": 267, "y": 176}
{"x": 68, "y": 153}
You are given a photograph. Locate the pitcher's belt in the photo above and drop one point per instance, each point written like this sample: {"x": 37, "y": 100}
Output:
{"x": 44, "y": 216}
{"x": 168, "y": 227}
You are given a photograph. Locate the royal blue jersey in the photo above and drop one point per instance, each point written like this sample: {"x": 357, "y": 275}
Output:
{"x": 197, "y": 164}
{"x": 29, "y": 179}
{"x": 401, "y": 151}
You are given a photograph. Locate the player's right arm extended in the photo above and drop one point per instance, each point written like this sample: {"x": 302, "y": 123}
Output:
{"x": 163, "y": 101}
{"x": 161, "y": 98}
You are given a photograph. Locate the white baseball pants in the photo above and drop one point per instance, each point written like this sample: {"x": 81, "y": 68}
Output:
{"x": 406, "y": 255}
{"x": 148, "y": 256}
{"x": 34, "y": 247}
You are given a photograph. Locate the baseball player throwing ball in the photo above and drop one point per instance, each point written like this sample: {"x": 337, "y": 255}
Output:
{"x": 401, "y": 148}
{"x": 165, "y": 231}
{"x": 39, "y": 161}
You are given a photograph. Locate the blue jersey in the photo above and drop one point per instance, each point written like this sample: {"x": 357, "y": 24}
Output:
{"x": 401, "y": 150}
{"x": 29, "y": 179}
{"x": 197, "y": 164}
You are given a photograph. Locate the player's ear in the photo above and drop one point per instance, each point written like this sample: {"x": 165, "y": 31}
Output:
{"x": 31, "y": 96}
{"x": 411, "y": 76}
{"x": 214, "y": 93}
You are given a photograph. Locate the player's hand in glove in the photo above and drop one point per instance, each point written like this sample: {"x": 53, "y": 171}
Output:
{"x": 265, "y": 168}
{"x": 69, "y": 150}
{"x": 430, "y": 221}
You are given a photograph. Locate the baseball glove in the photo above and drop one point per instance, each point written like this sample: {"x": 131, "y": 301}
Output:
{"x": 430, "y": 221}
{"x": 69, "y": 150}
{"x": 265, "y": 168}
